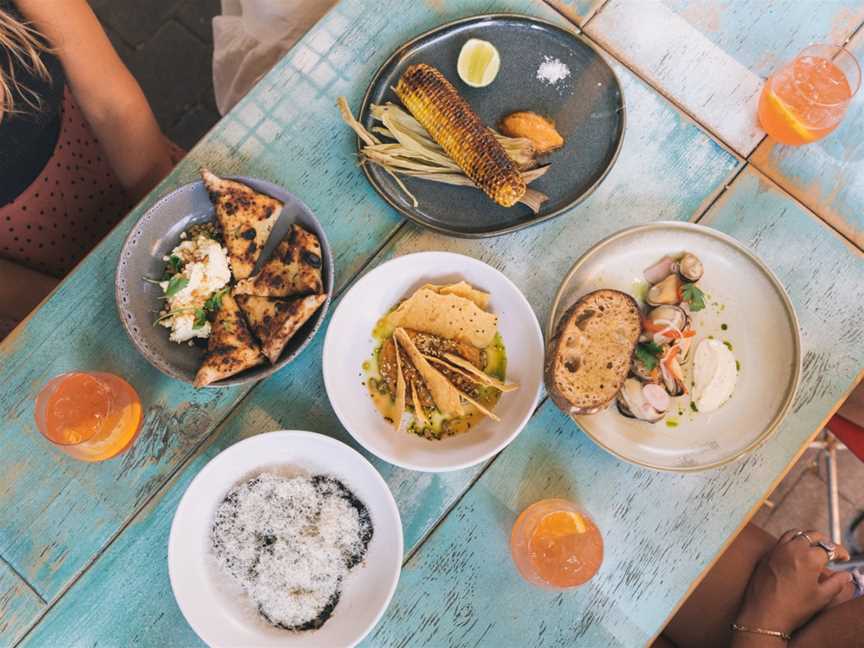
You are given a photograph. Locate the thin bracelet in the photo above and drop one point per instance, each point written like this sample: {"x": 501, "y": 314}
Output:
{"x": 771, "y": 633}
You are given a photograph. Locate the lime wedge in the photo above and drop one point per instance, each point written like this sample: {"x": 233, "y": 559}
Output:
{"x": 478, "y": 63}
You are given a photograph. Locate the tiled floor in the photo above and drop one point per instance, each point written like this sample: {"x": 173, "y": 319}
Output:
{"x": 168, "y": 47}
{"x": 801, "y": 499}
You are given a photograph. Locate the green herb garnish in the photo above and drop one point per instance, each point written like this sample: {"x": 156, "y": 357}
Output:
{"x": 174, "y": 264}
{"x": 175, "y": 285}
{"x": 214, "y": 302}
{"x": 172, "y": 314}
{"x": 200, "y": 318}
{"x": 693, "y": 296}
{"x": 648, "y": 353}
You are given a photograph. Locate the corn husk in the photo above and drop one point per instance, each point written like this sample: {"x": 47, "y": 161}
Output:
{"x": 414, "y": 153}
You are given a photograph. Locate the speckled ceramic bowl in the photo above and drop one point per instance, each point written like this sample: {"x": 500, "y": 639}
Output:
{"x": 156, "y": 234}
{"x": 746, "y": 307}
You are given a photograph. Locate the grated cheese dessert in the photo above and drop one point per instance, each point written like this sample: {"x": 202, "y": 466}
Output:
{"x": 289, "y": 542}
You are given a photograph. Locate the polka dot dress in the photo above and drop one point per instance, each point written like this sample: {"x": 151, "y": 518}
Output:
{"x": 70, "y": 207}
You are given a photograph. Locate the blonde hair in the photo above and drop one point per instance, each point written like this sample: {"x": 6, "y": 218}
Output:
{"x": 24, "y": 44}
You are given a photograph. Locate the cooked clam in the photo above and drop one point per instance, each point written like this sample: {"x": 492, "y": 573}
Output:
{"x": 667, "y": 321}
{"x": 646, "y": 402}
{"x": 670, "y": 370}
{"x": 689, "y": 266}
{"x": 638, "y": 369}
{"x": 665, "y": 292}
{"x": 684, "y": 344}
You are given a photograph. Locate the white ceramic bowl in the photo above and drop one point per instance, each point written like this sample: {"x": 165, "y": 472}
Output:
{"x": 760, "y": 324}
{"x": 349, "y": 343}
{"x": 215, "y": 607}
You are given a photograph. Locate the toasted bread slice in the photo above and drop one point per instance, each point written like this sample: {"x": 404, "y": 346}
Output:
{"x": 294, "y": 268}
{"x": 230, "y": 348}
{"x": 246, "y": 217}
{"x": 275, "y": 321}
{"x": 589, "y": 357}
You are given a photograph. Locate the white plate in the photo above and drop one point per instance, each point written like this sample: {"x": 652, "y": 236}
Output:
{"x": 216, "y": 608}
{"x": 762, "y": 328}
{"x": 349, "y": 343}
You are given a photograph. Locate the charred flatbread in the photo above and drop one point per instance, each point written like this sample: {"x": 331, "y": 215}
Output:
{"x": 246, "y": 218}
{"x": 294, "y": 268}
{"x": 230, "y": 348}
{"x": 275, "y": 321}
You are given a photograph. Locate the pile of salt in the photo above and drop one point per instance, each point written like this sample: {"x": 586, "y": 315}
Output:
{"x": 552, "y": 70}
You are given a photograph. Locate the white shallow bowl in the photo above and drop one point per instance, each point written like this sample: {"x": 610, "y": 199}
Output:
{"x": 762, "y": 329}
{"x": 217, "y": 609}
{"x": 349, "y": 343}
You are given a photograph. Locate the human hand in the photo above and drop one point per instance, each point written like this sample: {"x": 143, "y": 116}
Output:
{"x": 791, "y": 583}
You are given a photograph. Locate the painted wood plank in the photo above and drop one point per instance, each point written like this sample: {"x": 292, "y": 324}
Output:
{"x": 578, "y": 11}
{"x": 679, "y": 169}
{"x": 711, "y": 58}
{"x": 827, "y": 176}
{"x": 660, "y": 529}
{"x": 18, "y": 606}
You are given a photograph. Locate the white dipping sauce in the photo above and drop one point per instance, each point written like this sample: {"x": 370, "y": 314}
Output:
{"x": 714, "y": 375}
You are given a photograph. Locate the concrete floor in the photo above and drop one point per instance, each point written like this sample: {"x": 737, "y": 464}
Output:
{"x": 801, "y": 499}
{"x": 168, "y": 47}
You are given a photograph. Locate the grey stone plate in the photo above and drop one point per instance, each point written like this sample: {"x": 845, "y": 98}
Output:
{"x": 156, "y": 234}
{"x": 587, "y": 108}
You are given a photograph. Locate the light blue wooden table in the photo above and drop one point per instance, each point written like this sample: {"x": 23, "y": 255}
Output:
{"x": 83, "y": 547}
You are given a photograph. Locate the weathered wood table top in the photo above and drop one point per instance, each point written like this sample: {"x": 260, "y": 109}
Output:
{"x": 83, "y": 546}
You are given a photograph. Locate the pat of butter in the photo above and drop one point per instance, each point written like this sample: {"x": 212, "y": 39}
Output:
{"x": 714, "y": 375}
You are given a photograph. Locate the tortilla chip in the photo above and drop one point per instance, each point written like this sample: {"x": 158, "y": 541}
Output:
{"x": 400, "y": 389}
{"x": 445, "y": 395}
{"x": 418, "y": 407}
{"x": 482, "y": 409}
{"x": 477, "y": 376}
{"x": 482, "y": 376}
{"x": 449, "y": 316}
{"x": 462, "y": 289}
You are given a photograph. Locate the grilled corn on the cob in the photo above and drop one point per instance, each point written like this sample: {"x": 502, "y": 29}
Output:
{"x": 452, "y": 123}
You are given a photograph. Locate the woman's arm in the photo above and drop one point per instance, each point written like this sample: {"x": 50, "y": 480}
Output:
{"x": 109, "y": 96}
{"x": 22, "y": 289}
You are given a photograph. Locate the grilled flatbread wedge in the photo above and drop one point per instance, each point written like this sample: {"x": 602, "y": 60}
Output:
{"x": 275, "y": 321}
{"x": 589, "y": 357}
{"x": 294, "y": 268}
{"x": 230, "y": 348}
{"x": 246, "y": 217}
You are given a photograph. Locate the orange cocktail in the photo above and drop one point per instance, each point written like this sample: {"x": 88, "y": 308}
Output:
{"x": 806, "y": 99}
{"x": 89, "y": 416}
{"x": 555, "y": 545}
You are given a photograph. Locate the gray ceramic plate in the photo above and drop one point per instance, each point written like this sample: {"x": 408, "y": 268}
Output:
{"x": 587, "y": 108}
{"x": 156, "y": 234}
{"x": 760, "y": 324}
